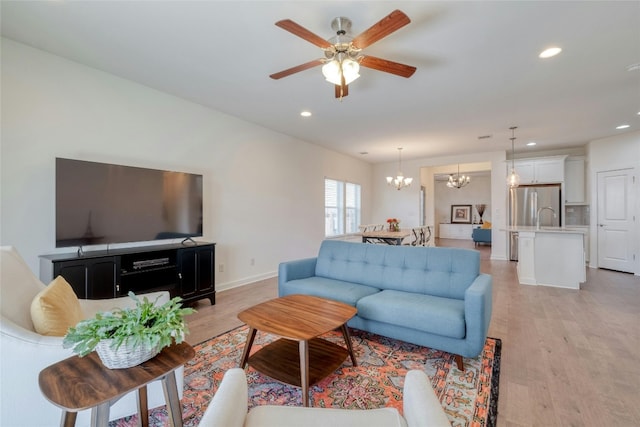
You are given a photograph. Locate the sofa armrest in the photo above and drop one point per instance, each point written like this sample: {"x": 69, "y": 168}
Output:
{"x": 420, "y": 404}
{"x": 229, "y": 406}
{"x": 298, "y": 269}
{"x": 477, "y": 313}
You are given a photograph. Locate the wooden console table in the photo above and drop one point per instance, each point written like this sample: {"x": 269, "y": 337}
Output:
{"x": 79, "y": 383}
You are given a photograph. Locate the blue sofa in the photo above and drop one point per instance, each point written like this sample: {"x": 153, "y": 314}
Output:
{"x": 481, "y": 235}
{"x": 434, "y": 297}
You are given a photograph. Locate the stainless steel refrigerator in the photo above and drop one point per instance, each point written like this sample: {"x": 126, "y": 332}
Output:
{"x": 525, "y": 202}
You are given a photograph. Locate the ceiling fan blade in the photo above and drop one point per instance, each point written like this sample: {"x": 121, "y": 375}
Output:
{"x": 387, "y": 66}
{"x": 296, "y": 69}
{"x": 387, "y": 25}
{"x": 300, "y": 31}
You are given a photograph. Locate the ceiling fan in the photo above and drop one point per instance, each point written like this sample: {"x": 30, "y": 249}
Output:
{"x": 343, "y": 54}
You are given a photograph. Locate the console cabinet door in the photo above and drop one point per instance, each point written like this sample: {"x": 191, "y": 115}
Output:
{"x": 196, "y": 273}
{"x": 101, "y": 277}
{"x": 205, "y": 269}
{"x": 93, "y": 278}
{"x": 187, "y": 272}
{"x": 75, "y": 273}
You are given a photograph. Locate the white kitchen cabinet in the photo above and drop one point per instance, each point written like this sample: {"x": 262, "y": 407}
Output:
{"x": 574, "y": 184}
{"x": 543, "y": 170}
{"x": 456, "y": 231}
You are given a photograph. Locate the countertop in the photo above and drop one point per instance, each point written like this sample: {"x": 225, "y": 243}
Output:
{"x": 571, "y": 229}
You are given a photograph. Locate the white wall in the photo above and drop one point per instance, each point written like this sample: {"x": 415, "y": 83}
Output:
{"x": 618, "y": 152}
{"x": 263, "y": 191}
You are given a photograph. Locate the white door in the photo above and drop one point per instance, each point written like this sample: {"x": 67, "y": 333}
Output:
{"x": 616, "y": 220}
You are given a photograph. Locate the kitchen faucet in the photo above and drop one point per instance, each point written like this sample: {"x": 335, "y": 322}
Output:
{"x": 538, "y": 215}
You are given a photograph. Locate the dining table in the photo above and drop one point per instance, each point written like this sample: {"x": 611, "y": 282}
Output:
{"x": 385, "y": 236}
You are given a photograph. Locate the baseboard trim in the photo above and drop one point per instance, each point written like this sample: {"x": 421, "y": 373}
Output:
{"x": 246, "y": 281}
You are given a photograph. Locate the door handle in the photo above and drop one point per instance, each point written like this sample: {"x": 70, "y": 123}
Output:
{"x": 600, "y": 225}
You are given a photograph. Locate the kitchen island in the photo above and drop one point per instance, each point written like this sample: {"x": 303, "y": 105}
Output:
{"x": 551, "y": 256}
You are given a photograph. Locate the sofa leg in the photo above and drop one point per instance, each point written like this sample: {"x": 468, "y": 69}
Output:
{"x": 459, "y": 362}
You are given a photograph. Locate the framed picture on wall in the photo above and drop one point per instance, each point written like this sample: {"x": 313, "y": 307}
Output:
{"x": 461, "y": 214}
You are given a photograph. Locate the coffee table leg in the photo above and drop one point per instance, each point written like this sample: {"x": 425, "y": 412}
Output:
{"x": 347, "y": 340}
{"x": 247, "y": 347}
{"x": 304, "y": 371}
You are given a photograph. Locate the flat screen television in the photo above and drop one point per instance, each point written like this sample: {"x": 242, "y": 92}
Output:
{"x": 100, "y": 203}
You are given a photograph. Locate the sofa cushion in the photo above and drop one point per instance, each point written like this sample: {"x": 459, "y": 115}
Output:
{"x": 444, "y": 272}
{"x": 436, "y": 315}
{"x": 55, "y": 309}
{"x": 337, "y": 290}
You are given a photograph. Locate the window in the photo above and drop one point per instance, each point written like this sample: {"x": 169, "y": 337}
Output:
{"x": 341, "y": 207}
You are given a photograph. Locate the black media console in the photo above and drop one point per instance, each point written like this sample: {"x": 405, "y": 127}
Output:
{"x": 185, "y": 270}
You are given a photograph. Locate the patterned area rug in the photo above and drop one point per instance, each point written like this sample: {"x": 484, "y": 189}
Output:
{"x": 470, "y": 398}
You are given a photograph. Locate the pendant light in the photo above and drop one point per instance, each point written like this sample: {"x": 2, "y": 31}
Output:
{"x": 513, "y": 180}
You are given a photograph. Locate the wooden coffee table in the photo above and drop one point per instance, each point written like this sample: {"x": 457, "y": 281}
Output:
{"x": 299, "y": 358}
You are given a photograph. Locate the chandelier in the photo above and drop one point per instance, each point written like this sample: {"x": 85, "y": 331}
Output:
{"x": 399, "y": 181}
{"x": 513, "y": 180}
{"x": 458, "y": 181}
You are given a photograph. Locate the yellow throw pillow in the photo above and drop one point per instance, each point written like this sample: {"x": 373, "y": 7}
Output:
{"x": 55, "y": 309}
{"x": 486, "y": 225}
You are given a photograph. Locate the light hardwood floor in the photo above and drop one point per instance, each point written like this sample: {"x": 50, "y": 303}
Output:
{"x": 569, "y": 358}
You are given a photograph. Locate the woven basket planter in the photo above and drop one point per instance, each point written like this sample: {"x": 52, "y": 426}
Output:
{"x": 125, "y": 356}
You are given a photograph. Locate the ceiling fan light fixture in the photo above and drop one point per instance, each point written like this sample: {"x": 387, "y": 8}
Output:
{"x": 350, "y": 70}
{"x": 342, "y": 52}
{"x": 331, "y": 72}
{"x": 334, "y": 70}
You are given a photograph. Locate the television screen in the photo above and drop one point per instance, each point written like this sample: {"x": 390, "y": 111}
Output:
{"x": 99, "y": 203}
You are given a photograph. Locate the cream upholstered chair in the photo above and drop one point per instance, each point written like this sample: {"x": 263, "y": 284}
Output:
{"x": 24, "y": 352}
{"x": 228, "y": 408}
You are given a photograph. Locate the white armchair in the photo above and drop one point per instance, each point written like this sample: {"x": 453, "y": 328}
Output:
{"x": 24, "y": 353}
{"x": 228, "y": 408}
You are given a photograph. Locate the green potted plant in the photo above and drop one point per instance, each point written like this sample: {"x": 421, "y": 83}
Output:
{"x": 127, "y": 337}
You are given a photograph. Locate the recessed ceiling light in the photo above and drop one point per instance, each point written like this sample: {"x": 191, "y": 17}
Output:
{"x": 531, "y": 143}
{"x": 306, "y": 114}
{"x": 548, "y": 53}
{"x": 622, "y": 127}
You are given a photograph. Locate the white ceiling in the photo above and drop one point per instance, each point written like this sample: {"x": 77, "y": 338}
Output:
{"x": 478, "y": 71}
